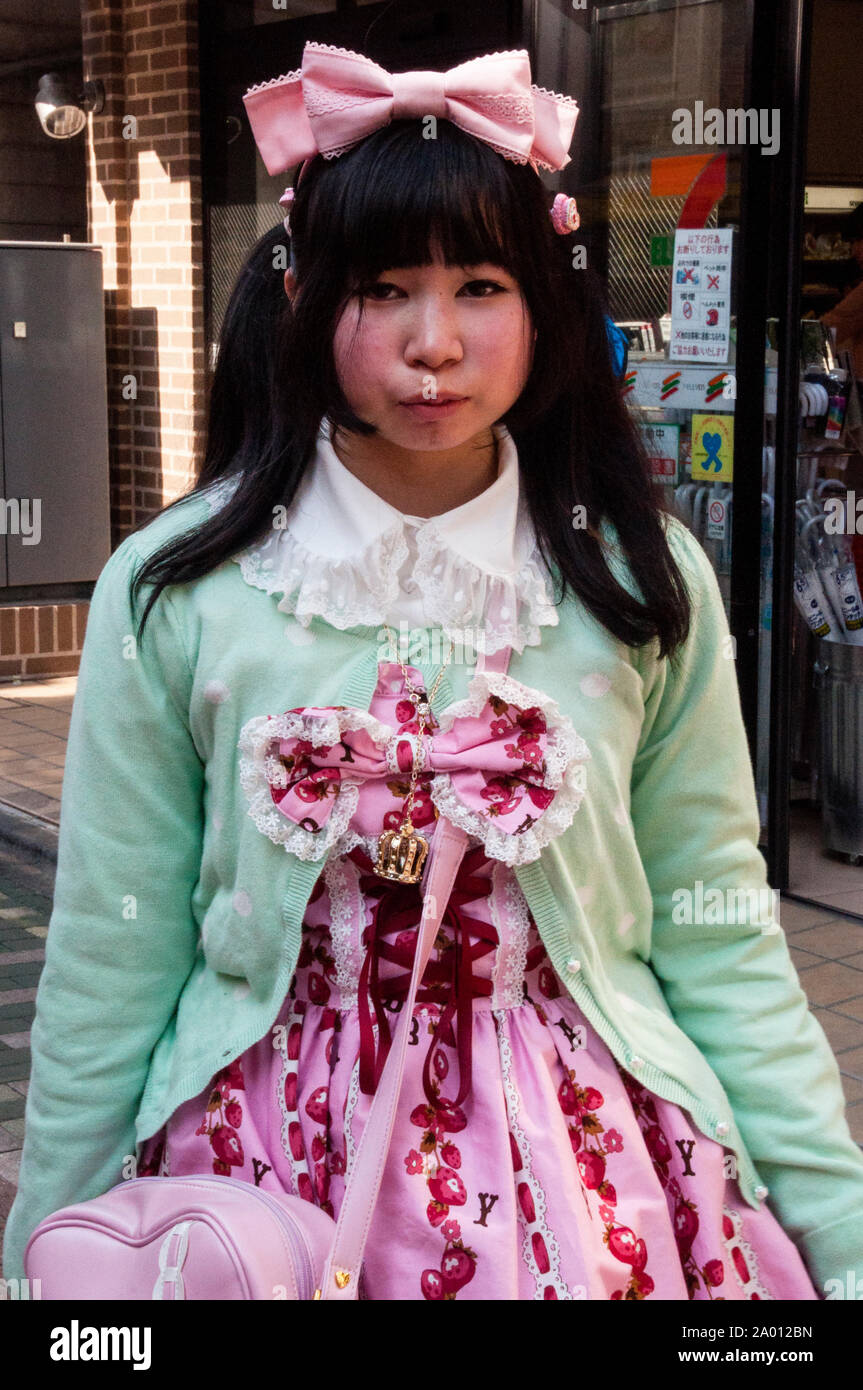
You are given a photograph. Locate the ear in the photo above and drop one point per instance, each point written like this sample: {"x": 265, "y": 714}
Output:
{"x": 290, "y": 284}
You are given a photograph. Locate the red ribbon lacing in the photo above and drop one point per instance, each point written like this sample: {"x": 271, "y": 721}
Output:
{"x": 448, "y": 980}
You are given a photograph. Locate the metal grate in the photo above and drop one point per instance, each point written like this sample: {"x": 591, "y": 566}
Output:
{"x": 637, "y": 289}
{"x": 234, "y": 230}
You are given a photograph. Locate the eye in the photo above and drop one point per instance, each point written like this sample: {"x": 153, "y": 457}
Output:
{"x": 379, "y": 290}
{"x": 491, "y": 285}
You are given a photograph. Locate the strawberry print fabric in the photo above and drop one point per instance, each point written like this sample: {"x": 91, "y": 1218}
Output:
{"x": 525, "y": 1162}
{"x": 504, "y": 764}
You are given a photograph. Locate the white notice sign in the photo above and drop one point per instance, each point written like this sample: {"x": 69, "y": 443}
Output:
{"x": 700, "y": 294}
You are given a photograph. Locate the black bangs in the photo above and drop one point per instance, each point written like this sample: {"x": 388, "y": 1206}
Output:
{"x": 398, "y": 197}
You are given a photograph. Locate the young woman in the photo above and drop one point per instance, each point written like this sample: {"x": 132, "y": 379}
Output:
{"x": 418, "y": 449}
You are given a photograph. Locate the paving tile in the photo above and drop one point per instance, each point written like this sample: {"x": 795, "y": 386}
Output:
{"x": 835, "y": 940}
{"x": 37, "y": 717}
{"x": 27, "y": 800}
{"x": 50, "y": 746}
{"x": 21, "y": 975}
{"x": 14, "y": 1064}
{"x": 830, "y": 982}
{"x": 10, "y": 958}
{"x": 797, "y": 917}
{"x": 851, "y": 1062}
{"x": 16, "y": 1040}
{"x": 10, "y": 1164}
{"x": 15, "y": 1014}
{"x": 852, "y": 1008}
{"x": 842, "y": 1033}
{"x": 12, "y": 1109}
{"x": 32, "y": 771}
{"x": 802, "y": 959}
{"x": 853, "y": 1088}
{"x": 16, "y": 996}
{"x": 854, "y": 1115}
{"x": 23, "y": 742}
{"x": 15, "y": 1128}
{"x": 8, "y": 1140}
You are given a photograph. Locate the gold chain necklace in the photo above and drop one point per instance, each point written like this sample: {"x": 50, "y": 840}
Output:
{"x": 402, "y": 853}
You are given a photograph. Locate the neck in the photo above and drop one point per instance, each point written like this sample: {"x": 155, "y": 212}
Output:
{"x": 424, "y": 482}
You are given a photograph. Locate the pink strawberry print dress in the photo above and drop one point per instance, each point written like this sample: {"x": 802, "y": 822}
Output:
{"x": 525, "y": 1162}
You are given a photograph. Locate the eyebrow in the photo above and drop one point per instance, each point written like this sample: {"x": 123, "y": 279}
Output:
{"x": 476, "y": 265}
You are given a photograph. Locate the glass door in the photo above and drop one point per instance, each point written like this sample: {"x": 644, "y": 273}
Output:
{"x": 682, "y": 177}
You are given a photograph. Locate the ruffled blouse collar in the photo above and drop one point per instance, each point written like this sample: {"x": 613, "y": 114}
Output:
{"x": 341, "y": 554}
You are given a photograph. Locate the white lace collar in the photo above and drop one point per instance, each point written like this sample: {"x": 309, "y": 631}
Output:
{"x": 347, "y": 556}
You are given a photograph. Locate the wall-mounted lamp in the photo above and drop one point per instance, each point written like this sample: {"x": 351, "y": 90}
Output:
{"x": 62, "y": 112}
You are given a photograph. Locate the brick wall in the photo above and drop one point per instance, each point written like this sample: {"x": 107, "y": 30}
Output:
{"x": 144, "y": 193}
{"x": 41, "y": 639}
{"x": 144, "y": 209}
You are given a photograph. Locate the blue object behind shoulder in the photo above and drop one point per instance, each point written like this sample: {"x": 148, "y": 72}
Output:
{"x": 619, "y": 344}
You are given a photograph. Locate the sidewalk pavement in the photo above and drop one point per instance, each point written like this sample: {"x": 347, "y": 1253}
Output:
{"x": 34, "y": 723}
{"x": 827, "y": 949}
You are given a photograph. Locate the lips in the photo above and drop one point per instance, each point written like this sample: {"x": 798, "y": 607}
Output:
{"x": 441, "y": 398}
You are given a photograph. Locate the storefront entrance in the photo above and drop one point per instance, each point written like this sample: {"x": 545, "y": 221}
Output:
{"x": 724, "y": 199}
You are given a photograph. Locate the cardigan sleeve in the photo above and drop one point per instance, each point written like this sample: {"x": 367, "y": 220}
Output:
{"x": 731, "y": 984}
{"x": 122, "y": 937}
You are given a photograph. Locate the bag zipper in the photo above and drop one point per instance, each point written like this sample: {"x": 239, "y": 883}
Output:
{"x": 300, "y": 1251}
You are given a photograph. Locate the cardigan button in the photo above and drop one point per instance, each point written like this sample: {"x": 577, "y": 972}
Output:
{"x": 722, "y": 1127}
{"x": 761, "y": 1193}
{"x": 637, "y": 1063}
{"x": 573, "y": 965}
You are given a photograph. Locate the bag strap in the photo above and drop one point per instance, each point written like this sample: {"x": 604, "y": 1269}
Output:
{"x": 340, "y": 1278}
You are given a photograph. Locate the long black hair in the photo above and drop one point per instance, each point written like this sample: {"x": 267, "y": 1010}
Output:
{"x": 385, "y": 205}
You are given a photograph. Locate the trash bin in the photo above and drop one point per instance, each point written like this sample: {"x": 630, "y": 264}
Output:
{"x": 839, "y": 682}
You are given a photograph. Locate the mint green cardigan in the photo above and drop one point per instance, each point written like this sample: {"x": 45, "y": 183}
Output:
{"x": 176, "y": 923}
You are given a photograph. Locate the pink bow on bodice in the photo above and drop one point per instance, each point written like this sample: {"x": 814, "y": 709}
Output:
{"x": 338, "y": 97}
{"x": 506, "y": 767}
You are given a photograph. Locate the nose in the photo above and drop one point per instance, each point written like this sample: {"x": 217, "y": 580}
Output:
{"x": 434, "y": 333}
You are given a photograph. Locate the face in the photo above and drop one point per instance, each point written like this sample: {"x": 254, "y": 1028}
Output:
{"x": 458, "y": 341}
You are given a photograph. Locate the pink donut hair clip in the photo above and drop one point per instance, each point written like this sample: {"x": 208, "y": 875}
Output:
{"x": 285, "y": 201}
{"x": 564, "y": 213}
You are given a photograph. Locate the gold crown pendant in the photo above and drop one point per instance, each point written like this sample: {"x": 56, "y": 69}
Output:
{"x": 402, "y": 853}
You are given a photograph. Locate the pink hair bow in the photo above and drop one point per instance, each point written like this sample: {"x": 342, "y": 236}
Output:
{"x": 338, "y": 97}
